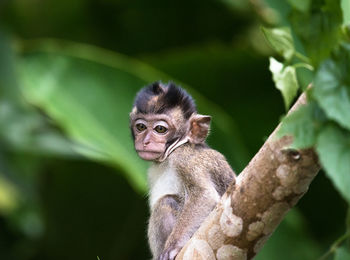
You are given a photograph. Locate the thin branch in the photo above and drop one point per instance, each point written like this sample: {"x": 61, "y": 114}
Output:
{"x": 335, "y": 246}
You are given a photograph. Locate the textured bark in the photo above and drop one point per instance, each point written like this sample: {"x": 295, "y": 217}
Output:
{"x": 248, "y": 213}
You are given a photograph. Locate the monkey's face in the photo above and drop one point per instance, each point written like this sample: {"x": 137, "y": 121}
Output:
{"x": 152, "y": 133}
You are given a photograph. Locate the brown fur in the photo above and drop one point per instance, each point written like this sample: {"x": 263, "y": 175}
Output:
{"x": 205, "y": 175}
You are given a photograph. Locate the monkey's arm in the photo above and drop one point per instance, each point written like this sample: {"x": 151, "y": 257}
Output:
{"x": 200, "y": 201}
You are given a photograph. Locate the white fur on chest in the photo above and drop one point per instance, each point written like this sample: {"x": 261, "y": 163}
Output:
{"x": 163, "y": 180}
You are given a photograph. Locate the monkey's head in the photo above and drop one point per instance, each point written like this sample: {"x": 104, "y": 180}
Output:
{"x": 163, "y": 118}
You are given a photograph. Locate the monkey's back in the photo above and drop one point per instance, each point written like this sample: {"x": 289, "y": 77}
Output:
{"x": 200, "y": 159}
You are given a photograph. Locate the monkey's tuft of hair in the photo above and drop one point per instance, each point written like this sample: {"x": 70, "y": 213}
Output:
{"x": 158, "y": 98}
{"x": 156, "y": 88}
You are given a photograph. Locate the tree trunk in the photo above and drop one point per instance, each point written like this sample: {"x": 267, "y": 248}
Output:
{"x": 272, "y": 183}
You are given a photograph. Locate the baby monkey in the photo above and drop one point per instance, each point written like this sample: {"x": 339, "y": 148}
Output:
{"x": 186, "y": 178}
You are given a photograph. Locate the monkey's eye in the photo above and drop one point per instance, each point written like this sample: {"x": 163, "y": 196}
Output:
{"x": 161, "y": 129}
{"x": 140, "y": 127}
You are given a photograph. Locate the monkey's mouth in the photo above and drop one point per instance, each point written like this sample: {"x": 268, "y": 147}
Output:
{"x": 148, "y": 155}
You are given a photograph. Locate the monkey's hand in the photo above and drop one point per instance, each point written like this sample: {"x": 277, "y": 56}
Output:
{"x": 170, "y": 252}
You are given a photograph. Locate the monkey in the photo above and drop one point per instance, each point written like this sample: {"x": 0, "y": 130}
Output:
{"x": 186, "y": 177}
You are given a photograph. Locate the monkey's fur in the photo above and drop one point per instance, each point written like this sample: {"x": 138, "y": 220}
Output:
{"x": 187, "y": 178}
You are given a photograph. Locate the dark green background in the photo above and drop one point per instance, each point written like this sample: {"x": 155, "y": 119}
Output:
{"x": 74, "y": 208}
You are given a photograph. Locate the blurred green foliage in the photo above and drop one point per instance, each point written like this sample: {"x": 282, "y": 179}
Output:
{"x": 71, "y": 185}
{"x": 324, "y": 123}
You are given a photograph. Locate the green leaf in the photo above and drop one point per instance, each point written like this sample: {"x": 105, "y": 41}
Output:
{"x": 91, "y": 102}
{"x": 277, "y": 11}
{"x": 301, "y": 125}
{"x": 300, "y": 5}
{"x": 9, "y": 196}
{"x": 285, "y": 79}
{"x": 319, "y": 29}
{"x": 332, "y": 86}
{"x": 333, "y": 148}
{"x": 7, "y": 72}
{"x": 23, "y": 128}
{"x": 281, "y": 41}
{"x": 345, "y": 6}
{"x": 342, "y": 253}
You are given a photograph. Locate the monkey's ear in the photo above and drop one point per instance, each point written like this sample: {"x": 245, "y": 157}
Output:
{"x": 199, "y": 128}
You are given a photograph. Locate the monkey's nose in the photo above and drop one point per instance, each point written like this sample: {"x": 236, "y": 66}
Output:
{"x": 146, "y": 140}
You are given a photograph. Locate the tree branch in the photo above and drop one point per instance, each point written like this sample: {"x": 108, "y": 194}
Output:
{"x": 250, "y": 210}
